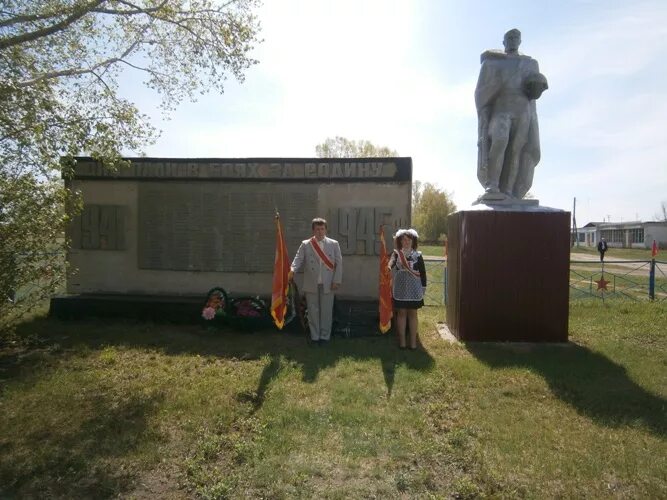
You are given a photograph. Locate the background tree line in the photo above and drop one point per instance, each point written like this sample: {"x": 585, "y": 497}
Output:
{"x": 430, "y": 208}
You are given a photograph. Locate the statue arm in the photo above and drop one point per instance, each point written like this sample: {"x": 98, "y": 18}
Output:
{"x": 534, "y": 82}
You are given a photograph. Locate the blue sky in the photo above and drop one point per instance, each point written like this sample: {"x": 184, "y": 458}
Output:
{"x": 402, "y": 74}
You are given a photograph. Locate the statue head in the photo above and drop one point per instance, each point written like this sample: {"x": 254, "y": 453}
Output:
{"x": 511, "y": 41}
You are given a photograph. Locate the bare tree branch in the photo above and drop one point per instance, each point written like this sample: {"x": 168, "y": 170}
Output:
{"x": 59, "y": 26}
{"x": 26, "y": 19}
{"x": 79, "y": 71}
{"x": 134, "y": 9}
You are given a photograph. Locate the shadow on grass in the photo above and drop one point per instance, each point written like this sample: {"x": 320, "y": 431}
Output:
{"x": 84, "y": 447}
{"x": 225, "y": 343}
{"x": 591, "y": 383}
{"x": 72, "y": 459}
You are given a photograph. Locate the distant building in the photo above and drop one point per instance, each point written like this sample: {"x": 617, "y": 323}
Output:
{"x": 635, "y": 234}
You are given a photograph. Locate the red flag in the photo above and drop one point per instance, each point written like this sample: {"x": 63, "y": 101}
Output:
{"x": 281, "y": 268}
{"x": 385, "y": 286}
{"x": 654, "y": 249}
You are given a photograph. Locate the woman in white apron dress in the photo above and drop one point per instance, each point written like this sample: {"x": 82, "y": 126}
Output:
{"x": 408, "y": 284}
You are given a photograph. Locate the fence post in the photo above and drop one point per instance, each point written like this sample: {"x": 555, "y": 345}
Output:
{"x": 445, "y": 279}
{"x": 651, "y": 280}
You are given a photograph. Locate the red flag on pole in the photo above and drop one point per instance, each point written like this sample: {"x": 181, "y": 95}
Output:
{"x": 385, "y": 286}
{"x": 281, "y": 268}
{"x": 654, "y": 249}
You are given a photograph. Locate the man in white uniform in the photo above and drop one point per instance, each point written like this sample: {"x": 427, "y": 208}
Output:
{"x": 322, "y": 263}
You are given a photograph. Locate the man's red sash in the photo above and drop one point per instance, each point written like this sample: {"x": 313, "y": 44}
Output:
{"x": 321, "y": 254}
{"x": 406, "y": 265}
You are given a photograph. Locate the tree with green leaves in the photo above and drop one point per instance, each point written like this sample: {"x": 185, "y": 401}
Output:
{"x": 60, "y": 63}
{"x": 431, "y": 207}
{"x": 340, "y": 147}
{"x": 32, "y": 258}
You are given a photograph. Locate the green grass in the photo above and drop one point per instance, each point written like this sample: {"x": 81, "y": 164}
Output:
{"x": 435, "y": 250}
{"x": 101, "y": 409}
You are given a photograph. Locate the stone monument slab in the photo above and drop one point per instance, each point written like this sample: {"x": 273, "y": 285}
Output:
{"x": 172, "y": 226}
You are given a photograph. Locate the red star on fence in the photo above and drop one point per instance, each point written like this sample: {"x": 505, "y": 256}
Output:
{"x": 602, "y": 283}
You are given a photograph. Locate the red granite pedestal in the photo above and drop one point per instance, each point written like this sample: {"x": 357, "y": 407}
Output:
{"x": 508, "y": 275}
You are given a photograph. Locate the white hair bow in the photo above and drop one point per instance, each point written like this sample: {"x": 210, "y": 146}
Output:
{"x": 410, "y": 231}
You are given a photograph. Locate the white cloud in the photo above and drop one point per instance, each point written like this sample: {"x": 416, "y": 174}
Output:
{"x": 356, "y": 68}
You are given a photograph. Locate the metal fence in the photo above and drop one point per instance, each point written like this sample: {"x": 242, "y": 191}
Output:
{"x": 436, "y": 273}
{"x": 637, "y": 280}
{"x": 619, "y": 279}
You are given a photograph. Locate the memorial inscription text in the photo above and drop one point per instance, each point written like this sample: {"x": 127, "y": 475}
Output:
{"x": 248, "y": 170}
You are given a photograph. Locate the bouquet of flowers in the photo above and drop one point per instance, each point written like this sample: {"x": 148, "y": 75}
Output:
{"x": 215, "y": 307}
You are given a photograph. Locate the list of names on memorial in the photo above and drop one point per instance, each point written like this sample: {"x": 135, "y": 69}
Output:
{"x": 200, "y": 227}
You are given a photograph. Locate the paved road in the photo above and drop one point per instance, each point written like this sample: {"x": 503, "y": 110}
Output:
{"x": 574, "y": 256}
{"x": 634, "y": 266}
{"x": 591, "y": 257}
{"x": 613, "y": 265}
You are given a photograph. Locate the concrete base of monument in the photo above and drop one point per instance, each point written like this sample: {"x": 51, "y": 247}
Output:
{"x": 503, "y": 200}
{"x": 446, "y": 334}
{"x": 509, "y": 275}
{"x": 352, "y": 317}
{"x": 161, "y": 308}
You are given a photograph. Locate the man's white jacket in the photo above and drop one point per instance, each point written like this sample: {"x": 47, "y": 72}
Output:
{"x": 307, "y": 259}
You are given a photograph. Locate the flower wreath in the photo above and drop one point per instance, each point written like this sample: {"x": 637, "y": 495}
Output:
{"x": 248, "y": 307}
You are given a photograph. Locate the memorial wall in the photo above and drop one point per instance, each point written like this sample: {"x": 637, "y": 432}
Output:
{"x": 182, "y": 226}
